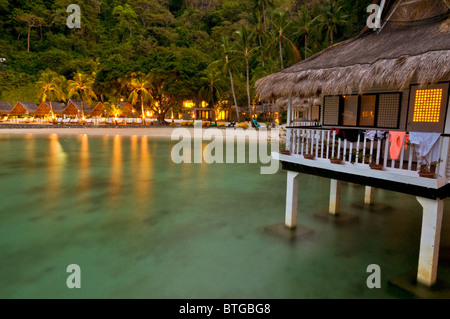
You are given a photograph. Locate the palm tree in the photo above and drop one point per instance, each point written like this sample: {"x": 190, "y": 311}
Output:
{"x": 260, "y": 30}
{"x": 81, "y": 87}
{"x": 50, "y": 87}
{"x": 113, "y": 109}
{"x": 331, "y": 17}
{"x": 281, "y": 26}
{"x": 261, "y": 6}
{"x": 228, "y": 64}
{"x": 141, "y": 85}
{"x": 244, "y": 48}
{"x": 211, "y": 91}
{"x": 304, "y": 27}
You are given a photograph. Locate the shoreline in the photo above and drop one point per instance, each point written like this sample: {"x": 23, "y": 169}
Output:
{"x": 157, "y": 132}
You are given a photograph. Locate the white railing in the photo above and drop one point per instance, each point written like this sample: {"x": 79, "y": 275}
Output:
{"x": 327, "y": 145}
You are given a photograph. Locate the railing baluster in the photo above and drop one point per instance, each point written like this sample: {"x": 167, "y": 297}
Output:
{"x": 410, "y": 157}
{"x": 321, "y": 144}
{"x": 378, "y": 152}
{"x": 364, "y": 149}
{"x": 386, "y": 150}
{"x": 303, "y": 140}
{"x": 357, "y": 148}
{"x": 316, "y": 134}
{"x": 402, "y": 154}
{"x": 339, "y": 148}
{"x": 345, "y": 149}
{"x": 328, "y": 144}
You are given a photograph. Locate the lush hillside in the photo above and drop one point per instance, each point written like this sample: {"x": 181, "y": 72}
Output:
{"x": 187, "y": 48}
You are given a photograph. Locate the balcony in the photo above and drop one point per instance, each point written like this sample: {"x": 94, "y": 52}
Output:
{"x": 316, "y": 149}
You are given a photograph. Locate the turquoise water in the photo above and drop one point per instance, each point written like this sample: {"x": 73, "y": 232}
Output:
{"x": 140, "y": 226}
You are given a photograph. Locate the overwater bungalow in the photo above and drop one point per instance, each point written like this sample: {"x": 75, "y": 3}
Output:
{"x": 5, "y": 108}
{"x": 24, "y": 108}
{"x": 45, "y": 109}
{"x": 74, "y": 108}
{"x": 384, "y": 116}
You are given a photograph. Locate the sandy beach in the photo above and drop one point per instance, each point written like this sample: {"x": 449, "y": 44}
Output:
{"x": 158, "y": 132}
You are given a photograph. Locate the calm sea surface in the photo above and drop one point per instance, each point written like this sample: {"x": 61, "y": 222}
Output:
{"x": 140, "y": 226}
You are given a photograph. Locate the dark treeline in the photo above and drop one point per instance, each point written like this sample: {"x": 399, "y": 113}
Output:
{"x": 165, "y": 51}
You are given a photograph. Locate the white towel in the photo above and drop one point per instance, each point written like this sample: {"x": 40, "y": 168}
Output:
{"x": 425, "y": 143}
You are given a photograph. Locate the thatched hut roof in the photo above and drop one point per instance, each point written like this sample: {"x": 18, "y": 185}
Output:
{"x": 126, "y": 105}
{"x": 97, "y": 110}
{"x": 412, "y": 46}
{"x": 5, "y": 107}
{"x": 75, "y": 108}
{"x": 22, "y": 108}
{"x": 44, "y": 108}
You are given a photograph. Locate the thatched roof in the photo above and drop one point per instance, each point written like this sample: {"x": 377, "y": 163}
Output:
{"x": 5, "y": 107}
{"x": 44, "y": 108}
{"x": 413, "y": 46}
{"x": 21, "y": 108}
{"x": 74, "y": 107}
{"x": 97, "y": 110}
{"x": 126, "y": 105}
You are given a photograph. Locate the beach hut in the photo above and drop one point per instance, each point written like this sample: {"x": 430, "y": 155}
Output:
{"x": 5, "y": 107}
{"x": 126, "y": 106}
{"x": 385, "y": 101}
{"x": 74, "y": 108}
{"x": 45, "y": 109}
{"x": 97, "y": 110}
{"x": 24, "y": 108}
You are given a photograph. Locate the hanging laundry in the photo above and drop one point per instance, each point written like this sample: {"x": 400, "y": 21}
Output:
{"x": 425, "y": 143}
{"x": 396, "y": 140}
{"x": 375, "y": 134}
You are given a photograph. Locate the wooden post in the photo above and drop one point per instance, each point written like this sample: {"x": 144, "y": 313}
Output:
{"x": 288, "y": 131}
{"x": 369, "y": 195}
{"x": 335, "y": 196}
{"x": 429, "y": 241}
{"x": 291, "y": 199}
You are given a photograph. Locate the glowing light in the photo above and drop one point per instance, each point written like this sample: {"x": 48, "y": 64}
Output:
{"x": 427, "y": 107}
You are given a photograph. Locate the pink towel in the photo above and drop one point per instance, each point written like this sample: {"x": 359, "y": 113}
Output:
{"x": 397, "y": 139}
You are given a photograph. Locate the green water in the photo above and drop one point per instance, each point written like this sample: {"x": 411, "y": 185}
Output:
{"x": 140, "y": 226}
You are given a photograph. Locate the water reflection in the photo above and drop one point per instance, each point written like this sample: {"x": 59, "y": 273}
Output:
{"x": 116, "y": 173}
{"x": 55, "y": 167}
{"x": 84, "y": 164}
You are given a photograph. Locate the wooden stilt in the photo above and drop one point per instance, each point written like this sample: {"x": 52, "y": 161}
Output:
{"x": 369, "y": 195}
{"x": 291, "y": 199}
{"x": 430, "y": 239}
{"x": 335, "y": 197}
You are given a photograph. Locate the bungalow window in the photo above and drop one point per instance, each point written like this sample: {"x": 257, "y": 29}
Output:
{"x": 427, "y": 108}
{"x": 380, "y": 110}
{"x": 350, "y": 110}
{"x": 367, "y": 116}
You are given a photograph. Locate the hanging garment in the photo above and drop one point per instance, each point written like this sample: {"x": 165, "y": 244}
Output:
{"x": 425, "y": 142}
{"x": 374, "y": 134}
{"x": 396, "y": 140}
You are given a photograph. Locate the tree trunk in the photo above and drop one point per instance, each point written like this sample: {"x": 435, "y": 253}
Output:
{"x": 82, "y": 110}
{"x": 142, "y": 109}
{"x": 262, "y": 51}
{"x": 234, "y": 96}
{"x": 29, "y": 31}
{"x": 281, "y": 53}
{"x": 306, "y": 45}
{"x": 161, "y": 118}
{"x": 248, "y": 88}
{"x": 51, "y": 110}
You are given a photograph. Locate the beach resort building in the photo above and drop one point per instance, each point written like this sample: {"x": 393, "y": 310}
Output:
{"x": 76, "y": 108}
{"x": 24, "y": 108}
{"x": 5, "y": 107}
{"x": 46, "y": 107}
{"x": 385, "y": 120}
